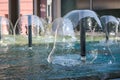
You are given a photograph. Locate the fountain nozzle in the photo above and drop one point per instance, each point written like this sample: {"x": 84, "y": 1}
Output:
{"x": 83, "y": 40}
{"x": 30, "y": 48}
{"x": 29, "y": 31}
{"x": 83, "y": 59}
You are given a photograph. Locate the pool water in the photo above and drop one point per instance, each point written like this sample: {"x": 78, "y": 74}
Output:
{"x": 20, "y": 63}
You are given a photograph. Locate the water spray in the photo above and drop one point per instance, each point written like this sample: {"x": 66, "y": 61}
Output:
{"x": 49, "y": 59}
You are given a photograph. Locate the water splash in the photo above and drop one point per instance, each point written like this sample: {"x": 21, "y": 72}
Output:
{"x": 108, "y": 18}
{"x": 22, "y": 23}
{"x": 67, "y": 60}
{"x": 65, "y": 27}
{"x": 6, "y": 30}
{"x": 107, "y": 49}
{"x": 94, "y": 55}
{"x": 76, "y": 15}
{"x": 63, "y": 36}
{"x": 110, "y": 25}
{"x": 38, "y": 34}
{"x": 63, "y": 43}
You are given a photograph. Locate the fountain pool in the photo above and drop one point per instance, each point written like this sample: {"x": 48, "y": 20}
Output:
{"x": 33, "y": 65}
{"x": 19, "y": 62}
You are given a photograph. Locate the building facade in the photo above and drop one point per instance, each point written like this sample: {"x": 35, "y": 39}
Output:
{"x": 102, "y": 7}
{"x": 26, "y": 7}
{"x": 57, "y": 8}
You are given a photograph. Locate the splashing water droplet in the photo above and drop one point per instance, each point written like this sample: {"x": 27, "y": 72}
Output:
{"x": 110, "y": 62}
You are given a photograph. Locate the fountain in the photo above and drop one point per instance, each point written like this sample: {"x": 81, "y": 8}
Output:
{"x": 64, "y": 36}
{"x": 6, "y": 27}
{"x": 110, "y": 24}
{"x": 64, "y": 25}
{"x": 80, "y": 15}
{"x": 58, "y": 28}
{"x": 30, "y": 27}
{"x": 63, "y": 51}
{"x": 6, "y": 30}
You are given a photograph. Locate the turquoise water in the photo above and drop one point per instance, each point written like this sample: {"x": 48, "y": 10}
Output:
{"x": 20, "y": 63}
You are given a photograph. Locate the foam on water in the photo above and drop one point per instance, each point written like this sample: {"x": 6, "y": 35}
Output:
{"x": 67, "y": 60}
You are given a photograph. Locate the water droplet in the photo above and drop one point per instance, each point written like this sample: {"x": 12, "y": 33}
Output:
{"x": 110, "y": 62}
